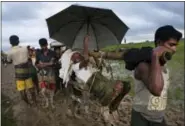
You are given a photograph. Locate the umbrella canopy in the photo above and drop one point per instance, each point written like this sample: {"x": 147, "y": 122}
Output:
{"x": 72, "y": 24}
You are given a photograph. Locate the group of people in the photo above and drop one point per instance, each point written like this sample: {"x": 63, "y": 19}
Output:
{"x": 30, "y": 66}
{"x": 50, "y": 68}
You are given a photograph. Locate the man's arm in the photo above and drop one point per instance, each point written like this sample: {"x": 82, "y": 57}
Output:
{"x": 37, "y": 62}
{"x": 53, "y": 59}
{"x": 151, "y": 76}
{"x": 85, "y": 44}
{"x": 9, "y": 58}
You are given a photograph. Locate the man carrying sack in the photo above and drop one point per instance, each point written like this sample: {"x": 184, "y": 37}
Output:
{"x": 151, "y": 76}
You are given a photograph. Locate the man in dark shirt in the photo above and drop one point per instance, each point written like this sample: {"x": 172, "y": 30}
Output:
{"x": 46, "y": 73}
{"x": 57, "y": 67}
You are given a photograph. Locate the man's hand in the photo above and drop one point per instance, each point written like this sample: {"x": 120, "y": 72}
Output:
{"x": 48, "y": 64}
{"x": 159, "y": 51}
{"x": 41, "y": 65}
{"x": 87, "y": 37}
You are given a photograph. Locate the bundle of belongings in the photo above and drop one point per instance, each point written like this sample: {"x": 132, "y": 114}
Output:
{"x": 106, "y": 92}
{"x": 134, "y": 56}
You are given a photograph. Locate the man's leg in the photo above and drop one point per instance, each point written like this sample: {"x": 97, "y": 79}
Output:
{"x": 24, "y": 96}
{"x": 52, "y": 88}
{"x": 137, "y": 119}
{"x": 36, "y": 83}
{"x": 31, "y": 89}
{"x": 42, "y": 86}
{"x": 36, "y": 80}
{"x": 33, "y": 95}
{"x": 57, "y": 81}
{"x": 43, "y": 92}
{"x": 163, "y": 123}
{"x": 52, "y": 92}
{"x": 22, "y": 89}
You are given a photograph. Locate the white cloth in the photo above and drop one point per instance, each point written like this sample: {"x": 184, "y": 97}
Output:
{"x": 18, "y": 54}
{"x": 66, "y": 66}
{"x": 33, "y": 59}
{"x": 83, "y": 74}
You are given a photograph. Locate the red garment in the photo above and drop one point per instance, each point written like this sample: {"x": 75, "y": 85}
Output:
{"x": 50, "y": 86}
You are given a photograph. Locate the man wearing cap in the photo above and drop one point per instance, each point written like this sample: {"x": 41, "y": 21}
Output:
{"x": 57, "y": 48}
{"x": 152, "y": 81}
{"x": 45, "y": 63}
{"x": 19, "y": 56}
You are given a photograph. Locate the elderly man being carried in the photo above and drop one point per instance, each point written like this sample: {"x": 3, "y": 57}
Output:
{"x": 108, "y": 93}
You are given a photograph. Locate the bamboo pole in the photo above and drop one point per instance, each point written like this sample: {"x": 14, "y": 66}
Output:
{"x": 108, "y": 55}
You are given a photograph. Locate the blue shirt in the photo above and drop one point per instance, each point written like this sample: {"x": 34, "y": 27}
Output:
{"x": 44, "y": 58}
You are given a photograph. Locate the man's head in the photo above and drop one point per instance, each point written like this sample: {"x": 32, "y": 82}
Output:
{"x": 57, "y": 50}
{"x": 14, "y": 40}
{"x": 167, "y": 36}
{"x": 123, "y": 85}
{"x": 43, "y": 43}
{"x": 77, "y": 57}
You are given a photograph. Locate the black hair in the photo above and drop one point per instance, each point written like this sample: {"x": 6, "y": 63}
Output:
{"x": 55, "y": 48}
{"x": 43, "y": 42}
{"x": 14, "y": 40}
{"x": 165, "y": 33}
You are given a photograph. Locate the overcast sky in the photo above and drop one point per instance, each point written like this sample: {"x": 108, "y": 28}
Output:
{"x": 27, "y": 19}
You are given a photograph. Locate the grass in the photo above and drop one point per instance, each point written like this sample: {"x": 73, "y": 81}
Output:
{"x": 178, "y": 93}
{"x": 131, "y": 93}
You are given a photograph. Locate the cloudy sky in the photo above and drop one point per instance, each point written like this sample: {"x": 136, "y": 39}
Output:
{"x": 27, "y": 19}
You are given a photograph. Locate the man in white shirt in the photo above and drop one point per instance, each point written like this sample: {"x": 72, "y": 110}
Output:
{"x": 19, "y": 56}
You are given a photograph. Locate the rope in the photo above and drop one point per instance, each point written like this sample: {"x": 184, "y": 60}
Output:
{"x": 112, "y": 77}
{"x": 96, "y": 73}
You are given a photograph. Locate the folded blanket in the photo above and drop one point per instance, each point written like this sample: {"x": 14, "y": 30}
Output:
{"x": 135, "y": 55}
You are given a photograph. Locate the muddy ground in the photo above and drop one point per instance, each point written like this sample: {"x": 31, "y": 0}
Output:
{"x": 38, "y": 116}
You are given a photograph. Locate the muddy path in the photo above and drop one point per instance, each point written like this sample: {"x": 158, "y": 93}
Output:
{"x": 38, "y": 116}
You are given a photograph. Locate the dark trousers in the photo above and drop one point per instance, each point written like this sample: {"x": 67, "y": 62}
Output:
{"x": 138, "y": 120}
{"x": 58, "y": 80}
